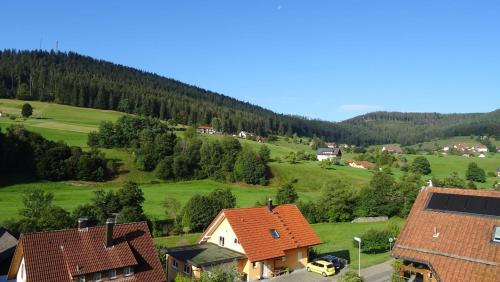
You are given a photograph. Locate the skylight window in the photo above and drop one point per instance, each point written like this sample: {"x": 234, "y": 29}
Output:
{"x": 496, "y": 234}
{"x": 274, "y": 233}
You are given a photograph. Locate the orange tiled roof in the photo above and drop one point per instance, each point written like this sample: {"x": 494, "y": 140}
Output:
{"x": 252, "y": 227}
{"x": 463, "y": 250}
{"x": 60, "y": 255}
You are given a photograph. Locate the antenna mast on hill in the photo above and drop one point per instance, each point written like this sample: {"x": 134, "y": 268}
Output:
{"x": 41, "y": 39}
{"x": 57, "y": 45}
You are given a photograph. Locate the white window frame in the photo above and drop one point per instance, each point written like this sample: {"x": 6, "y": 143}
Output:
{"x": 129, "y": 271}
{"x": 79, "y": 278}
{"x": 188, "y": 272}
{"x": 112, "y": 276}
{"x": 496, "y": 238}
{"x": 222, "y": 239}
{"x": 175, "y": 264}
{"x": 95, "y": 277}
{"x": 236, "y": 241}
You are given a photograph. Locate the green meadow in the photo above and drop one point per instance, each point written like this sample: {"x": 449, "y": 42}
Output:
{"x": 72, "y": 124}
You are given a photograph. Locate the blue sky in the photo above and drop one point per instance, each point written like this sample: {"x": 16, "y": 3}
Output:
{"x": 323, "y": 59}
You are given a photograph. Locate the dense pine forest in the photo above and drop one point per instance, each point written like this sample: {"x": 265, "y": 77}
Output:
{"x": 73, "y": 79}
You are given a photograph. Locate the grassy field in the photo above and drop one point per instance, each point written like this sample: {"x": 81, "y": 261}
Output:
{"x": 68, "y": 195}
{"x": 72, "y": 124}
{"x": 57, "y": 122}
{"x": 336, "y": 238}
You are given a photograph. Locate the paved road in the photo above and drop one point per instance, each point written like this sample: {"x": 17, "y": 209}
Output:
{"x": 377, "y": 273}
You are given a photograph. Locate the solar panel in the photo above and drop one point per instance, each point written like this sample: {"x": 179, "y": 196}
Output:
{"x": 479, "y": 205}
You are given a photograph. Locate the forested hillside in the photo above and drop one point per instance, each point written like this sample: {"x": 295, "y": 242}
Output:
{"x": 73, "y": 79}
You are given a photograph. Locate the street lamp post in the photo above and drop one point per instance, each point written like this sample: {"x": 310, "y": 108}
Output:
{"x": 357, "y": 239}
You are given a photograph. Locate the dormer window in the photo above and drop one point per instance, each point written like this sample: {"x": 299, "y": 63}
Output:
{"x": 274, "y": 233}
{"x": 496, "y": 234}
{"x": 80, "y": 278}
{"x": 127, "y": 271}
{"x": 112, "y": 274}
{"x": 97, "y": 277}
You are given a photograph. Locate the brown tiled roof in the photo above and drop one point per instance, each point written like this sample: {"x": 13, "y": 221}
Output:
{"x": 252, "y": 227}
{"x": 59, "y": 255}
{"x": 463, "y": 250}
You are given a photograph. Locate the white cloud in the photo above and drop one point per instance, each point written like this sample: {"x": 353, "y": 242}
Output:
{"x": 358, "y": 108}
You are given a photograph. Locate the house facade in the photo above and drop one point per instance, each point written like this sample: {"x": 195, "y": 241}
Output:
{"x": 121, "y": 252}
{"x": 205, "y": 129}
{"x": 245, "y": 134}
{"x": 392, "y": 149}
{"x": 451, "y": 235}
{"x": 361, "y": 164}
{"x": 328, "y": 154}
{"x": 258, "y": 242}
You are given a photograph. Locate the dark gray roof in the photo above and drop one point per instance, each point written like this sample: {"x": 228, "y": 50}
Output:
{"x": 204, "y": 254}
{"x": 329, "y": 151}
{"x": 8, "y": 244}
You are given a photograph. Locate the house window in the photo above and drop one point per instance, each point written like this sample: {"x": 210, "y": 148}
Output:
{"x": 97, "y": 277}
{"x": 274, "y": 233}
{"x": 283, "y": 258}
{"x": 254, "y": 265}
{"x": 112, "y": 274}
{"x": 221, "y": 241}
{"x": 80, "y": 279}
{"x": 299, "y": 255}
{"x": 236, "y": 241}
{"x": 174, "y": 264}
{"x": 496, "y": 234}
{"x": 127, "y": 271}
{"x": 187, "y": 269}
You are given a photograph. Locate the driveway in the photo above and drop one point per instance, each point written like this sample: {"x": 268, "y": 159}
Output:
{"x": 377, "y": 273}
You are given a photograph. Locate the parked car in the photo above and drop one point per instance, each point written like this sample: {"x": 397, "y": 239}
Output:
{"x": 322, "y": 267}
{"x": 338, "y": 263}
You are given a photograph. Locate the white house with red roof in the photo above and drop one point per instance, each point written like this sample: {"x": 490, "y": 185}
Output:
{"x": 258, "y": 242}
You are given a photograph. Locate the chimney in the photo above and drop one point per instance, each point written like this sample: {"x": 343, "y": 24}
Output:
{"x": 270, "y": 205}
{"x": 110, "y": 222}
{"x": 82, "y": 224}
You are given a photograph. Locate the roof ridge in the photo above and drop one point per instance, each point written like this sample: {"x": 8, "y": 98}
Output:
{"x": 76, "y": 228}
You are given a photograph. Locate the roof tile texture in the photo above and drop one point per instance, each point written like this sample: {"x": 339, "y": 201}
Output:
{"x": 463, "y": 251}
{"x": 252, "y": 227}
{"x": 57, "y": 255}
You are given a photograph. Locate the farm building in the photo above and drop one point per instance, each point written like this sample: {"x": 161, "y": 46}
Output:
{"x": 205, "y": 129}
{"x": 328, "y": 154}
{"x": 392, "y": 149}
{"x": 259, "y": 242}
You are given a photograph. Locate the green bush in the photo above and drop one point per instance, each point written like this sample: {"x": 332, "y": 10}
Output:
{"x": 375, "y": 241}
{"x": 351, "y": 276}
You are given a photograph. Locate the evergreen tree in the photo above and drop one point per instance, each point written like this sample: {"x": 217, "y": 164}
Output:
{"x": 27, "y": 110}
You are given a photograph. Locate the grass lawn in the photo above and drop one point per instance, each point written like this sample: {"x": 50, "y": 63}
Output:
{"x": 68, "y": 196}
{"x": 336, "y": 238}
{"x": 57, "y": 122}
{"x": 444, "y": 165}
